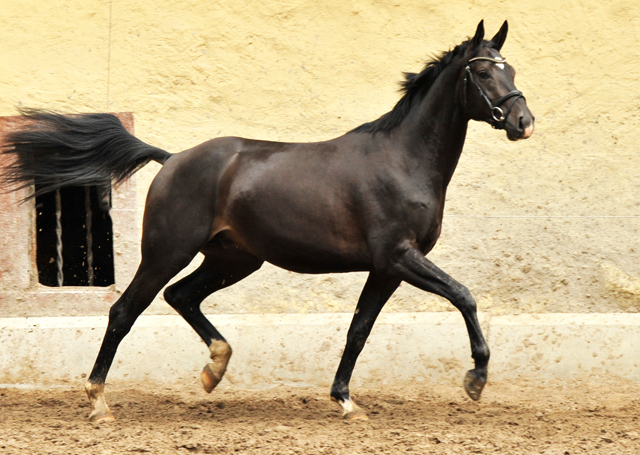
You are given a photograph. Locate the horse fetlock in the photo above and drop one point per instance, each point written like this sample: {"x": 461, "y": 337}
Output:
{"x": 481, "y": 355}
{"x": 100, "y": 410}
{"x": 213, "y": 372}
{"x": 220, "y": 351}
{"x": 350, "y": 410}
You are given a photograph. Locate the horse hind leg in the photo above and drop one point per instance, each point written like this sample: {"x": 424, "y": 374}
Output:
{"x": 168, "y": 245}
{"x": 220, "y": 268}
{"x": 151, "y": 276}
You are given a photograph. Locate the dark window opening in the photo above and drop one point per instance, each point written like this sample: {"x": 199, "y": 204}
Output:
{"x": 74, "y": 240}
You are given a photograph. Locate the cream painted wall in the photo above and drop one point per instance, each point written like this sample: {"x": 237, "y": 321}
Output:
{"x": 547, "y": 225}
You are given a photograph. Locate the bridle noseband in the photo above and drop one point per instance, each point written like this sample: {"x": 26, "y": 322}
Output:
{"x": 498, "y": 116}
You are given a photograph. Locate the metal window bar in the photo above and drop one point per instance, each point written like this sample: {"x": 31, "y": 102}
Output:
{"x": 89, "y": 260}
{"x": 59, "y": 260}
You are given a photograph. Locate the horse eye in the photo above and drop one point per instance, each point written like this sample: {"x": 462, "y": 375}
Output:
{"x": 484, "y": 75}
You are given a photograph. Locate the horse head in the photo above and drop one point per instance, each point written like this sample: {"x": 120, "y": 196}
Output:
{"x": 488, "y": 90}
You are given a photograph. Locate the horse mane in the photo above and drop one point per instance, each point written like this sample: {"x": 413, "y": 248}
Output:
{"x": 414, "y": 86}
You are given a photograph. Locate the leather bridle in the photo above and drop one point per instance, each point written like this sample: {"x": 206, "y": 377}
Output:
{"x": 498, "y": 115}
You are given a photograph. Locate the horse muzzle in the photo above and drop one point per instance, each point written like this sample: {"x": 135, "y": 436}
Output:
{"x": 522, "y": 128}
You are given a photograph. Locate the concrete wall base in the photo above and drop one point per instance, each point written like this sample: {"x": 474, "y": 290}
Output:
{"x": 304, "y": 350}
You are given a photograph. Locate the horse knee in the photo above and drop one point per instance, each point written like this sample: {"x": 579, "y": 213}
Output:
{"x": 357, "y": 339}
{"x": 463, "y": 300}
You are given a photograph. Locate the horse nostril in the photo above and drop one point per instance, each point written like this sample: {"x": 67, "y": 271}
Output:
{"x": 521, "y": 124}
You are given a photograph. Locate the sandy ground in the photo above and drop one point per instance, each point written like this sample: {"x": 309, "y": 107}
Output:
{"x": 595, "y": 417}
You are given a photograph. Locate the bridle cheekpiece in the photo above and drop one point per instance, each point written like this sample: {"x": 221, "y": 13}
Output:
{"x": 498, "y": 116}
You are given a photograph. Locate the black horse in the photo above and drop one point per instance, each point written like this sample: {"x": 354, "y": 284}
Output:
{"x": 371, "y": 200}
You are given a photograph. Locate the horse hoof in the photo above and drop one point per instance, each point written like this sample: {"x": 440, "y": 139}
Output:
{"x": 473, "y": 385}
{"x": 356, "y": 414}
{"x": 101, "y": 416}
{"x": 212, "y": 373}
{"x": 100, "y": 412}
{"x": 350, "y": 410}
{"x": 209, "y": 378}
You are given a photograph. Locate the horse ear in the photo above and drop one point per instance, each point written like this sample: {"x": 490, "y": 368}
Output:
{"x": 498, "y": 40}
{"x": 479, "y": 36}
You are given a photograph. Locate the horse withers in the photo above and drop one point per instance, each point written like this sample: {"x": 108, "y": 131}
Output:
{"x": 371, "y": 200}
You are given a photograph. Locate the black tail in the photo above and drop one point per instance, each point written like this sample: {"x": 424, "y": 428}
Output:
{"x": 57, "y": 151}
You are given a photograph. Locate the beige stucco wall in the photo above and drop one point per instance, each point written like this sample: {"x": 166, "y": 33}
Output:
{"x": 547, "y": 225}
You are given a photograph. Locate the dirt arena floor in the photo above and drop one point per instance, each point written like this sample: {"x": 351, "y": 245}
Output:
{"x": 576, "y": 417}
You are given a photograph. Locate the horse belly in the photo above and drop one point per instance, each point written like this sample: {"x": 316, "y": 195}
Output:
{"x": 313, "y": 254}
{"x": 303, "y": 244}
{"x": 316, "y": 262}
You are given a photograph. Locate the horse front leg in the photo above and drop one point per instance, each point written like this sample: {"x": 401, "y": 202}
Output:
{"x": 413, "y": 267}
{"x": 375, "y": 294}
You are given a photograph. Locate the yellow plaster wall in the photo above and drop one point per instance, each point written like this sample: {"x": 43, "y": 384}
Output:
{"x": 550, "y": 224}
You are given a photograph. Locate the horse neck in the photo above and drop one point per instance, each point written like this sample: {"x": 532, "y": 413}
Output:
{"x": 435, "y": 130}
